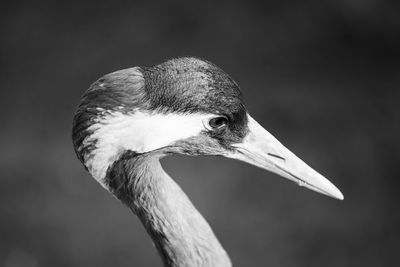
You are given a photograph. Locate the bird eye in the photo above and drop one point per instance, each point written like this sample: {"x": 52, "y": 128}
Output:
{"x": 218, "y": 122}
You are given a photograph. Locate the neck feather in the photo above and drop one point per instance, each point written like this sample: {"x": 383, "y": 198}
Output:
{"x": 181, "y": 235}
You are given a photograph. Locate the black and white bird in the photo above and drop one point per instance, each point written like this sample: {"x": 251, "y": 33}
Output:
{"x": 129, "y": 119}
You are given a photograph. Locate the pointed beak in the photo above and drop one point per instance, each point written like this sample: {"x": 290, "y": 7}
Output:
{"x": 263, "y": 150}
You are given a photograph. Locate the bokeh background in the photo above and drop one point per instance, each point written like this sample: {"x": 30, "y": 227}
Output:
{"x": 323, "y": 76}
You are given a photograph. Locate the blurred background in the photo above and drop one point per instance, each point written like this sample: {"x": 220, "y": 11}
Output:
{"x": 322, "y": 76}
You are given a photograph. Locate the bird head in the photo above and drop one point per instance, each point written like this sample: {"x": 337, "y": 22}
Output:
{"x": 186, "y": 106}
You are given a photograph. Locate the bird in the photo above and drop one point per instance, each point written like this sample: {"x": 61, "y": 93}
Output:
{"x": 129, "y": 119}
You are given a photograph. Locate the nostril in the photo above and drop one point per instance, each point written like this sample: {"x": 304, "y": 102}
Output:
{"x": 276, "y": 156}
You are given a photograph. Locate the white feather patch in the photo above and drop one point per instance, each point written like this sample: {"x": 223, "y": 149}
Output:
{"x": 140, "y": 132}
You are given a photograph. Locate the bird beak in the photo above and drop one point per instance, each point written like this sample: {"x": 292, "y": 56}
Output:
{"x": 261, "y": 149}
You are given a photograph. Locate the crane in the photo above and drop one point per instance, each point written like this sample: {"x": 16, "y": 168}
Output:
{"x": 129, "y": 119}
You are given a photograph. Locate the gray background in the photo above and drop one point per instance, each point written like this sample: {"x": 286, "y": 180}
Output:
{"x": 323, "y": 76}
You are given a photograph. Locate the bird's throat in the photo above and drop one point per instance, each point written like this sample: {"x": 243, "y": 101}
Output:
{"x": 181, "y": 235}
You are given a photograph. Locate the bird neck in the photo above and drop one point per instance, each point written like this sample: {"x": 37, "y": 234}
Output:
{"x": 181, "y": 235}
